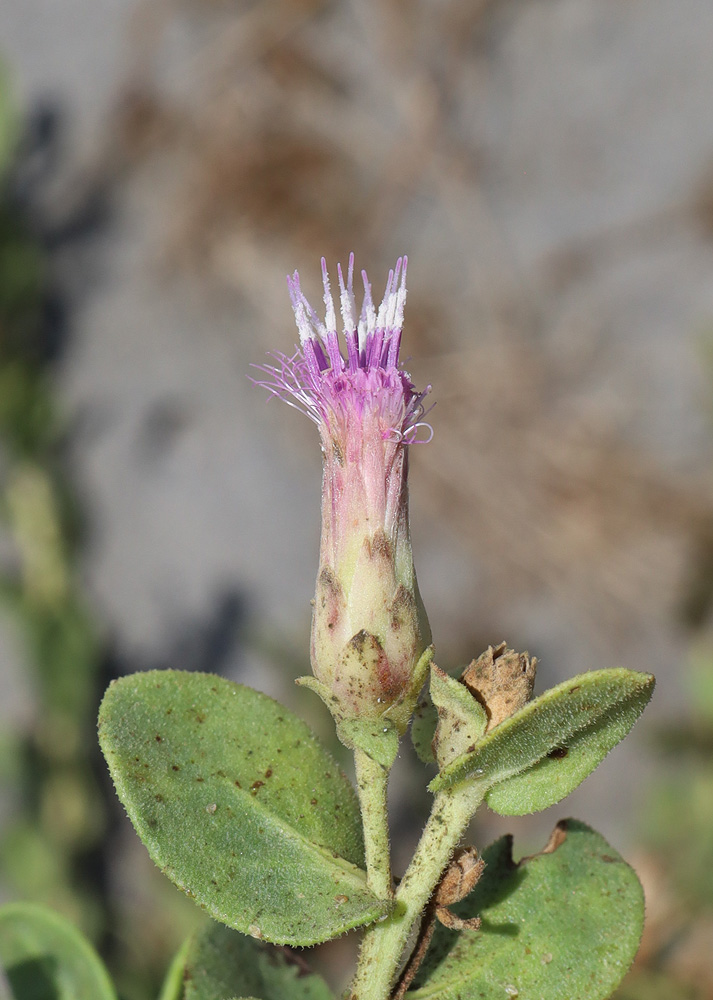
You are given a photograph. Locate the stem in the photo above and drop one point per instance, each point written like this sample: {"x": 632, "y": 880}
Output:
{"x": 372, "y": 780}
{"x": 384, "y": 943}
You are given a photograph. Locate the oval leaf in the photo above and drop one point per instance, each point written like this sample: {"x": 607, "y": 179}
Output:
{"x": 222, "y": 964}
{"x": 563, "y": 924}
{"x": 548, "y": 723}
{"x": 44, "y": 957}
{"x": 239, "y": 804}
{"x": 566, "y": 767}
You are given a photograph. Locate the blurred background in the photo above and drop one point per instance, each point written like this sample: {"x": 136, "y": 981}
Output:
{"x": 548, "y": 167}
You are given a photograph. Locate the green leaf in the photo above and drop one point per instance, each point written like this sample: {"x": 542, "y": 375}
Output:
{"x": 549, "y": 723}
{"x": 44, "y": 957}
{"x": 222, "y": 964}
{"x": 239, "y": 804}
{"x": 565, "y": 767}
{"x": 562, "y": 925}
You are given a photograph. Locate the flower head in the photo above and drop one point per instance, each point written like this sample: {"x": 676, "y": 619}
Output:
{"x": 335, "y": 391}
{"x": 368, "y": 627}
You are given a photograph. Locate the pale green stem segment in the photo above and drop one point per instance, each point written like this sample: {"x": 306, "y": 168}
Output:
{"x": 372, "y": 780}
{"x": 384, "y": 943}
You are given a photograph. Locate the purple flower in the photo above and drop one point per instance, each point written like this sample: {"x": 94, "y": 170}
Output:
{"x": 368, "y": 627}
{"x": 333, "y": 390}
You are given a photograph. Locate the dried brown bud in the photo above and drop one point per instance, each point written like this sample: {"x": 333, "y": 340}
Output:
{"x": 458, "y": 881}
{"x": 460, "y": 877}
{"x": 502, "y": 681}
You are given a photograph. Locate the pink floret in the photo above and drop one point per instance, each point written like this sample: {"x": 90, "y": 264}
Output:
{"x": 333, "y": 390}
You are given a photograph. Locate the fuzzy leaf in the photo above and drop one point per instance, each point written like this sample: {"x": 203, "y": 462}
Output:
{"x": 222, "y": 964}
{"x": 562, "y": 925}
{"x": 239, "y": 804}
{"x": 548, "y": 723}
{"x": 44, "y": 957}
{"x": 566, "y": 767}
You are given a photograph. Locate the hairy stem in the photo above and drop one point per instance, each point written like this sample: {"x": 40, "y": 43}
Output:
{"x": 372, "y": 780}
{"x": 384, "y": 943}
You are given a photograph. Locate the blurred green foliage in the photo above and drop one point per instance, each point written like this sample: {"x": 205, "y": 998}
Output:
{"x": 679, "y": 821}
{"x": 57, "y": 818}
{"x": 58, "y": 847}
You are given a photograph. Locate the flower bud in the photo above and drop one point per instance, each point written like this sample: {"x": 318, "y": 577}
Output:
{"x": 369, "y": 628}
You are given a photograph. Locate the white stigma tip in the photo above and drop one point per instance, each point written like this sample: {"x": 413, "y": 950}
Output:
{"x": 346, "y": 297}
{"x": 367, "y": 319}
{"x": 330, "y": 317}
{"x": 401, "y": 298}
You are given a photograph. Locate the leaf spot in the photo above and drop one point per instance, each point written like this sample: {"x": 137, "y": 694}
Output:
{"x": 255, "y": 786}
{"x": 211, "y": 808}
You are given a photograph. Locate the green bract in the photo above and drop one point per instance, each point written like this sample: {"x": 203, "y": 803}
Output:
{"x": 461, "y": 719}
{"x": 239, "y": 804}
